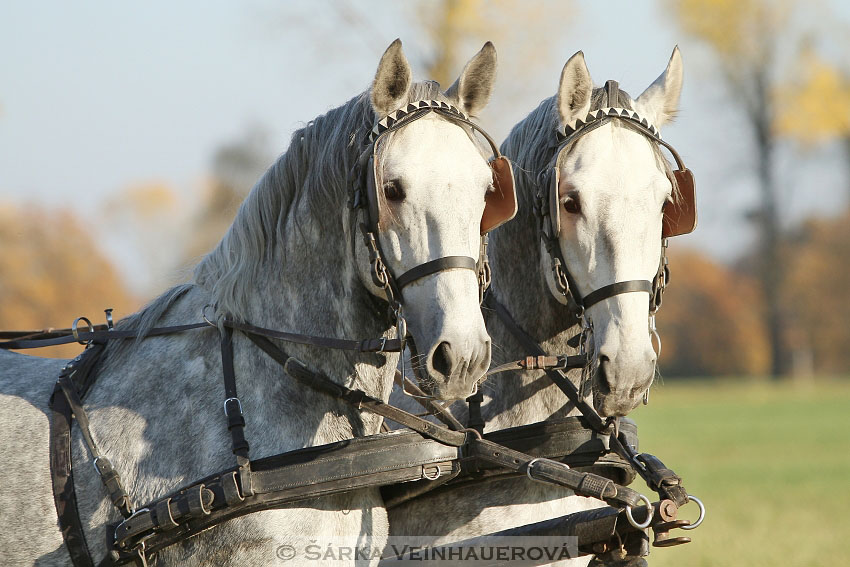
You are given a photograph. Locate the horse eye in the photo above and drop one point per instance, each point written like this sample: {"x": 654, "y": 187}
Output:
{"x": 571, "y": 205}
{"x": 393, "y": 191}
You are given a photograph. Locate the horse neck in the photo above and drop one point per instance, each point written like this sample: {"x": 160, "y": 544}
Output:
{"x": 312, "y": 288}
{"x": 519, "y": 285}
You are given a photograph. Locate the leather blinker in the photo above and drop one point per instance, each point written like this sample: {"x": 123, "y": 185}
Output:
{"x": 501, "y": 203}
{"x": 680, "y": 217}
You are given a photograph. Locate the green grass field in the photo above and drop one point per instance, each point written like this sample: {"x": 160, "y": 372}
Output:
{"x": 770, "y": 461}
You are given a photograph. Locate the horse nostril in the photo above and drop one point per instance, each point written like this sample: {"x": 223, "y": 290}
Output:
{"x": 441, "y": 360}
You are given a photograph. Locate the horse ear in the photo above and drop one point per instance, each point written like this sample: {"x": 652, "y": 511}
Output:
{"x": 574, "y": 90}
{"x": 392, "y": 80}
{"x": 473, "y": 88}
{"x": 660, "y": 101}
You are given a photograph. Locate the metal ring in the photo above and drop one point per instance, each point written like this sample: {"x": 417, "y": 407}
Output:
{"x": 649, "y": 513}
{"x": 701, "y": 513}
{"x": 204, "y": 315}
{"x": 75, "y": 333}
{"x": 437, "y": 473}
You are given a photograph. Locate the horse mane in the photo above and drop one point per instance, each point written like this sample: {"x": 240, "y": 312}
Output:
{"x": 314, "y": 173}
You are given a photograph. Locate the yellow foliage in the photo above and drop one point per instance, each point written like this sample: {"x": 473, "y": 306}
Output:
{"x": 455, "y": 26}
{"x": 816, "y": 106}
{"x": 739, "y": 31}
{"x": 51, "y": 273}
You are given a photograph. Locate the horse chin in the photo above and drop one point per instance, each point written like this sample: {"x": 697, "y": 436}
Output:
{"x": 615, "y": 403}
{"x": 614, "y": 406}
{"x": 451, "y": 388}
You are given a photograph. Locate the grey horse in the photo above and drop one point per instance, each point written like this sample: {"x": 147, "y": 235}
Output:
{"x": 614, "y": 188}
{"x": 292, "y": 260}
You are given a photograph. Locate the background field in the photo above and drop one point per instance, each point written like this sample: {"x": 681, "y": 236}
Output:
{"x": 770, "y": 461}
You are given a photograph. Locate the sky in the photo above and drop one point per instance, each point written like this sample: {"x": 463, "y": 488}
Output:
{"x": 96, "y": 97}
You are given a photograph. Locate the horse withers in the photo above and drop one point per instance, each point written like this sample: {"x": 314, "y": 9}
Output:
{"x": 295, "y": 260}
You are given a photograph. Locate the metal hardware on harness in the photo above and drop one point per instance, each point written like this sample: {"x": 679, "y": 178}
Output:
{"x": 205, "y": 318}
{"x": 649, "y": 511}
{"x": 431, "y": 476}
{"x": 701, "y": 513}
{"x": 110, "y": 325}
{"x": 238, "y": 403}
{"x": 75, "y": 332}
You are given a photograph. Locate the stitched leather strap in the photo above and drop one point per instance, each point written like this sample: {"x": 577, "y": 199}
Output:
{"x": 434, "y": 266}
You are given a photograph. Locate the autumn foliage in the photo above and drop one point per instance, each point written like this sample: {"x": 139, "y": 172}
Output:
{"x": 51, "y": 272}
{"x": 710, "y": 322}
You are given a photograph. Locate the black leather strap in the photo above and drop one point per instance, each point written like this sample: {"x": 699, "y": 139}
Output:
{"x": 557, "y": 376}
{"x": 613, "y": 289}
{"x": 434, "y": 266}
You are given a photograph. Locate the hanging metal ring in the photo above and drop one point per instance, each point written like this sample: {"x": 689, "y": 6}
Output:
{"x": 701, "y": 513}
{"x": 649, "y": 513}
{"x": 75, "y": 331}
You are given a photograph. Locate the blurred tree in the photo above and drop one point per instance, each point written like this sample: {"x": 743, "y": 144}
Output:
{"x": 817, "y": 294}
{"x": 236, "y": 166}
{"x": 744, "y": 36}
{"x": 710, "y": 323}
{"x": 525, "y": 33}
{"x": 51, "y": 272}
{"x": 144, "y": 222}
{"x": 814, "y": 103}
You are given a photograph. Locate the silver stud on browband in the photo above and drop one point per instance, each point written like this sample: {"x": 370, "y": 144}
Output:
{"x": 622, "y": 113}
{"x": 392, "y": 118}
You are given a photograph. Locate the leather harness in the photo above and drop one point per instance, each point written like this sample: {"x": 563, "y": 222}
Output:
{"x": 427, "y": 453}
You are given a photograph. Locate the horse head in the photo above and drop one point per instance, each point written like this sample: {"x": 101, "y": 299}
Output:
{"x": 429, "y": 180}
{"x": 610, "y": 193}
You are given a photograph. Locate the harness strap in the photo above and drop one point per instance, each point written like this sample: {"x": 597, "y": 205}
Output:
{"x": 233, "y": 413}
{"x": 62, "y": 479}
{"x": 661, "y": 479}
{"x": 556, "y": 375}
{"x": 616, "y": 289}
{"x": 357, "y": 398}
{"x": 434, "y": 266}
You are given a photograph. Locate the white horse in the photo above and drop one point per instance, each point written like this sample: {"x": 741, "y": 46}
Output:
{"x": 293, "y": 260}
{"x": 613, "y": 187}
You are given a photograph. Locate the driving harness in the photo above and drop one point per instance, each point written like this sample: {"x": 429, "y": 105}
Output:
{"x": 428, "y": 452}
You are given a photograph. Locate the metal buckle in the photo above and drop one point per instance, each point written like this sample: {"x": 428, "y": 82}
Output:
{"x": 238, "y": 402}
{"x": 383, "y": 344}
{"x": 124, "y": 521}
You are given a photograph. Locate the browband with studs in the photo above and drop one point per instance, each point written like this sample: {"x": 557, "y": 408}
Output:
{"x": 387, "y": 121}
{"x": 622, "y": 113}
